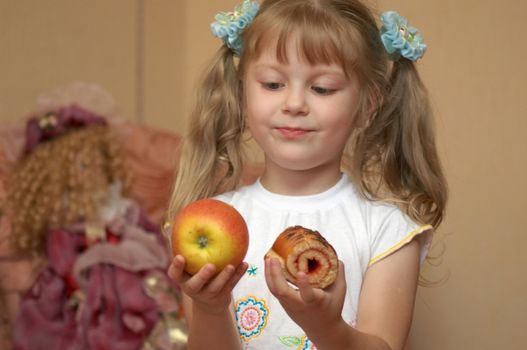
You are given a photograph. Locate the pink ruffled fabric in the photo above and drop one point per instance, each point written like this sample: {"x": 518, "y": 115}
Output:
{"x": 44, "y": 321}
{"x": 107, "y": 307}
{"x": 117, "y": 314}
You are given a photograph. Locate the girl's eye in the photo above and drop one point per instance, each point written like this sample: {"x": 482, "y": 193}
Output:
{"x": 272, "y": 86}
{"x": 322, "y": 91}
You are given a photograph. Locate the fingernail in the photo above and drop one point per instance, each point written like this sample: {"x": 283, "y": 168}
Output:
{"x": 211, "y": 268}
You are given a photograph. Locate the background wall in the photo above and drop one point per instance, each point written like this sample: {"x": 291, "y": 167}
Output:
{"x": 148, "y": 54}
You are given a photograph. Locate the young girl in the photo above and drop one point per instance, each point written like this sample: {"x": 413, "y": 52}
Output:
{"x": 344, "y": 122}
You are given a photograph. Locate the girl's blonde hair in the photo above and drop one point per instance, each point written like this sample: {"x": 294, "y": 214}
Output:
{"x": 391, "y": 155}
{"x": 61, "y": 182}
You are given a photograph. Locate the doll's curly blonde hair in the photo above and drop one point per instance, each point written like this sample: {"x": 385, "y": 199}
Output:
{"x": 61, "y": 182}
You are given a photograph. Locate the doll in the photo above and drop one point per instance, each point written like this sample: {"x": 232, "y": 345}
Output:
{"x": 90, "y": 263}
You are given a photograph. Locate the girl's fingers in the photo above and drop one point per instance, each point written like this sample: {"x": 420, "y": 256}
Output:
{"x": 196, "y": 282}
{"x": 217, "y": 284}
{"x": 268, "y": 277}
{"x": 340, "y": 286}
{"x": 267, "y": 274}
{"x": 307, "y": 293}
{"x": 277, "y": 279}
{"x": 227, "y": 279}
{"x": 176, "y": 270}
{"x": 235, "y": 278}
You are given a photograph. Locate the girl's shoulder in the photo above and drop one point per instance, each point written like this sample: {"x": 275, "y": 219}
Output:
{"x": 228, "y": 197}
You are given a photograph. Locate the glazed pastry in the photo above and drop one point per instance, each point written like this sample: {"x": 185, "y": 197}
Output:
{"x": 302, "y": 249}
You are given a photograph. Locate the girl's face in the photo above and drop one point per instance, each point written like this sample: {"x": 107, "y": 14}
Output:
{"x": 301, "y": 115}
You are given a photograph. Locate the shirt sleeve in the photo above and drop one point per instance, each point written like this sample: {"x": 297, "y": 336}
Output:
{"x": 392, "y": 230}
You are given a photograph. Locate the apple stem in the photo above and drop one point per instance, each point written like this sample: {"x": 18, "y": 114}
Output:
{"x": 203, "y": 241}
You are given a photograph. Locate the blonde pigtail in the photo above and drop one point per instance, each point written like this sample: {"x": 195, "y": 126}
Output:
{"x": 211, "y": 159}
{"x": 399, "y": 145}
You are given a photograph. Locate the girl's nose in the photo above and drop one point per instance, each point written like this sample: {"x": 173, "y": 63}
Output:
{"x": 295, "y": 103}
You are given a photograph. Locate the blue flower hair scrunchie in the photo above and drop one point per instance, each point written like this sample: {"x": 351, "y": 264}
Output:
{"x": 229, "y": 25}
{"x": 399, "y": 38}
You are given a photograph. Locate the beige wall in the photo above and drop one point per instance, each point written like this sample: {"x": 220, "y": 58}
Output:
{"x": 45, "y": 44}
{"x": 475, "y": 72}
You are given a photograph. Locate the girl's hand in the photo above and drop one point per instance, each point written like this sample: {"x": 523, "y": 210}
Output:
{"x": 208, "y": 291}
{"x": 312, "y": 309}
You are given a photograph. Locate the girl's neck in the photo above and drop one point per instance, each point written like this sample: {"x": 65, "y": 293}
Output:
{"x": 299, "y": 182}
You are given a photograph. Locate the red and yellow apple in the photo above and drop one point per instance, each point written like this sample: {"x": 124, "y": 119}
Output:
{"x": 209, "y": 231}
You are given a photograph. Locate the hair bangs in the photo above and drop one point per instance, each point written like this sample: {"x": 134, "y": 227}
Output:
{"x": 320, "y": 35}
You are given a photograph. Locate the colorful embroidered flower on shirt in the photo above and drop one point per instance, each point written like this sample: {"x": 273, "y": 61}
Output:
{"x": 399, "y": 38}
{"x": 307, "y": 344}
{"x": 301, "y": 343}
{"x": 251, "y": 317}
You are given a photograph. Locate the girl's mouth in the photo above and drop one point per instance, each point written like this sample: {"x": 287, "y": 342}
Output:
{"x": 292, "y": 133}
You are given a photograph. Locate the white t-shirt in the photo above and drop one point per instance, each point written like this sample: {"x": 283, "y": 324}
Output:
{"x": 361, "y": 231}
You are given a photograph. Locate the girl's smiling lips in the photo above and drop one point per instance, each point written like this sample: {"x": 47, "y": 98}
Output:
{"x": 292, "y": 132}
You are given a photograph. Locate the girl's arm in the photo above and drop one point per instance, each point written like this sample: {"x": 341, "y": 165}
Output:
{"x": 207, "y": 301}
{"x": 387, "y": 298}
{"x": 211, "y": 330}
{"x": 385, "y": 306}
